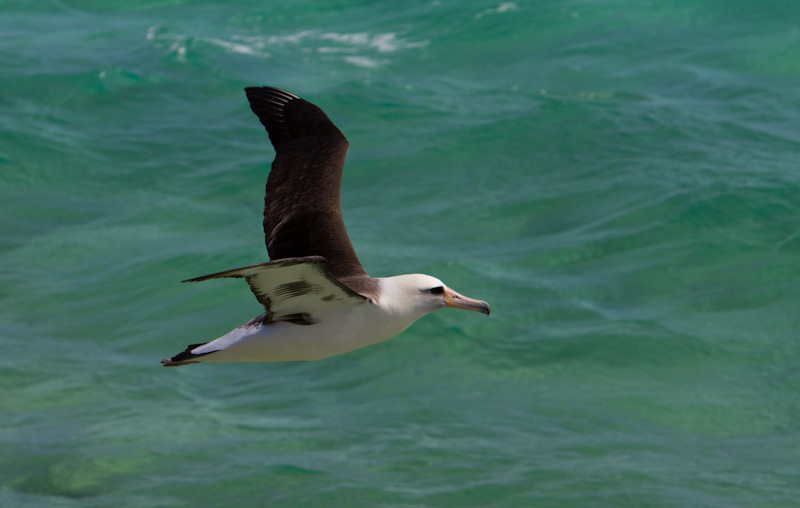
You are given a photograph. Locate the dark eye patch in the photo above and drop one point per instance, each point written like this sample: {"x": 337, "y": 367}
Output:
{"x": 437, "y": 290}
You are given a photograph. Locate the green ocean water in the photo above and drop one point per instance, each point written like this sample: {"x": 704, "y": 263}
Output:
{"x": 620, "y": 180}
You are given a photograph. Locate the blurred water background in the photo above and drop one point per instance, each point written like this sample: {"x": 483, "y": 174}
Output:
{"x": 619, "y": 179}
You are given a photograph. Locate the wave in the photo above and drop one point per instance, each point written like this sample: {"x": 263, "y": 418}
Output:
{"x": 360, "y": 48}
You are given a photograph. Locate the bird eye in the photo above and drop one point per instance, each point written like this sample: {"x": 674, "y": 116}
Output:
{"x": 437, "y": 290}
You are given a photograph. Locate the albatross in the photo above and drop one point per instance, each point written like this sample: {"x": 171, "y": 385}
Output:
{"x": 318, "y": 299}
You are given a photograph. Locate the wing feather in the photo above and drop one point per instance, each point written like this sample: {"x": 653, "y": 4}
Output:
{"x": 288, "y": 288}
{"x": 302, "y": 207}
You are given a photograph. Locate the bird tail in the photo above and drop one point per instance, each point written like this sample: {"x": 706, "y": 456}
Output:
{"x": 186, "y": 357}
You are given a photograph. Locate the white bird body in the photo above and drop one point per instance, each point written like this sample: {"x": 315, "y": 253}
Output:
{"x": 334, "y": 331}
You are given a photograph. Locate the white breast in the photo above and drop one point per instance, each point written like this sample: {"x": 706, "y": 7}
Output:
{"x": 336, "y": 330}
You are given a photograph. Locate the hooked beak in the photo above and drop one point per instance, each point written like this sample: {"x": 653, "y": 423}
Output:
{"x": 457, "y": 301}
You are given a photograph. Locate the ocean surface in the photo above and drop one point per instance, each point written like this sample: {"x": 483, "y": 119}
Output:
{"x": 619, "y": 179}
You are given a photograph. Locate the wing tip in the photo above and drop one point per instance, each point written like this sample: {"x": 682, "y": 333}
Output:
{"x": 269, "y": 93}
{"x": 185, "y": 357}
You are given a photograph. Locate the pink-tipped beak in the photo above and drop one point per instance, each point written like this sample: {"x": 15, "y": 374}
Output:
{"x": 457, "y": 301}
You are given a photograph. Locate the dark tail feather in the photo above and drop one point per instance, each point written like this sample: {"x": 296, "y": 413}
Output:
{"x": 184, "y": 358}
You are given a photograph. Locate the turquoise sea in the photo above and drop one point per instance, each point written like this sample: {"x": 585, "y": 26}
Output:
{"x": 619, "y": 179}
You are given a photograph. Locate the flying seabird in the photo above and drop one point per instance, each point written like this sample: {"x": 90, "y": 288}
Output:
{"x": 319, "y": 300}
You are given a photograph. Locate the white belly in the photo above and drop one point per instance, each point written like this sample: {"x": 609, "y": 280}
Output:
{"x": 334, "y": 333}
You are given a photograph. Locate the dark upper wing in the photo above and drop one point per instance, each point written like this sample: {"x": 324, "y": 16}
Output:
{"x": 302, "y": 209}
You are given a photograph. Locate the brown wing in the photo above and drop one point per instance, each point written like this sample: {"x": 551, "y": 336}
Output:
{"x": 302, "y": 208}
